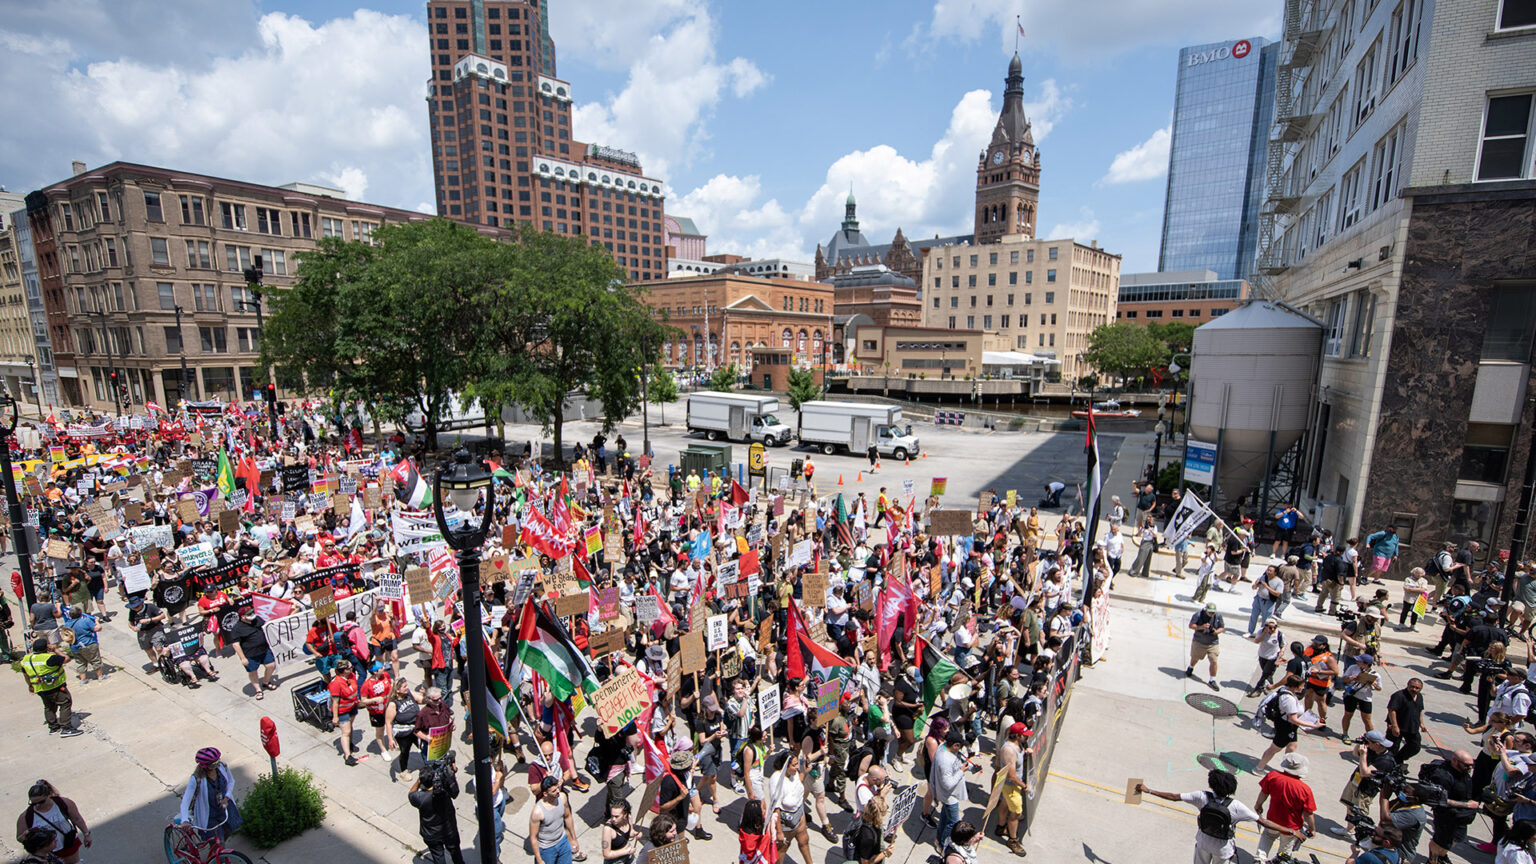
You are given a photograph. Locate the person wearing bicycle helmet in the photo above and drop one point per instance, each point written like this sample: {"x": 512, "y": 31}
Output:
{"x": 208, "y": 802}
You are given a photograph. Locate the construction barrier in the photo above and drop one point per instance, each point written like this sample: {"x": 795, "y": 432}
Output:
{"x": 948, "y": 418}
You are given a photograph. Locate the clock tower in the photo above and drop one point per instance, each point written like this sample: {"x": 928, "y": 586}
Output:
{"x": 1008, "y": 174}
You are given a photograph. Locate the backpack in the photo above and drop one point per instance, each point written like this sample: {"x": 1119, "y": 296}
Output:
{"x": 1215, "y": 820}
{"x": 851, "y": 841}
{"x": 1269, "y": 709}
{"x": 1432, "y": 566}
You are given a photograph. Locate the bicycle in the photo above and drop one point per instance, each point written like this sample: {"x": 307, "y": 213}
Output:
{"x": 186, "y": 844}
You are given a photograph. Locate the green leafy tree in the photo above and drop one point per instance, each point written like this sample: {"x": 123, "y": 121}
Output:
{"x": 725, "y": 377}
{"x": 386, "y": 323}
{"x": 558, "y": 321}
{"x": 1177, "y": 335}
{"x": 1124, "y": 349}
{"x": 802, "y": 388}
{"x": 663, "y": 390}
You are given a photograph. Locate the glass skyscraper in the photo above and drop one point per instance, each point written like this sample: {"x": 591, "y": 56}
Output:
{"x": 1223, "y": 109}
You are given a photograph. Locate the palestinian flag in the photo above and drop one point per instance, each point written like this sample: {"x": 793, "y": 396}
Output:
{"x": 409, "y": 486}
{"x": 497, "y": 694}
{"x": 543, "y": 646}
{"x": 937, "y": 672}
{"x": 225, "y": 474}
{"x": 840, "y": 515}
{"x": 809, "y": 659}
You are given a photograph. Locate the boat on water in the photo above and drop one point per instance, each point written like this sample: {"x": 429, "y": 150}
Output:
{"x": 1108, "y": 410}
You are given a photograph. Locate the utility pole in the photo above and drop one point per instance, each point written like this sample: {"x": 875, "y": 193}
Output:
{"x": 181, "y": 339}
{"x": 253, "y": 282}
{"x": 106, "y": 335}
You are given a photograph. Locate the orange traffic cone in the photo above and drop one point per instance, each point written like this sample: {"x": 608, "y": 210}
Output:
{"x": 861, "y": 478}
{"x": 839, "y": 479}
{"x": 925, "y": 455}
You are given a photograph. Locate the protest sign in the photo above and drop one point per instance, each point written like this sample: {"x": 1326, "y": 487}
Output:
{"x": 826, "y": 701}
{"x": 440, "y": 739}
{"x": 295, "y": 478}
{"x": 937, "y": 487}
{"x": 493, "y": 569}
{"x": 186, "y": 508}
{"x": 285, "y": 635}
{"x": 135, "y": 577}
{"x": 229, "y": 522}
{"x": 814, "y": 589}
{"x": 945, "y": 523}
{"x": 58, "y": 549}
{"x": 323, "y": 602}
{"x": 606, "y": 642}
{"x": 768, "y": 706}
{"x": 693, "y": 652}
{"x": 391, "y": 585}
{"x": 646, "y": 608}
{"x": 730, "y": 664}
{"x": 901, "y": 807}
{"x": 621, "y": 701}
{"x": 801, "y": 554}
{"x": 221, "y": 578}
{"x": 152, "y": 536}
{"x": 577, "y": 603}
{"x": 717, "y": 629}
{"x": 675, "y": 852}
{"x": 418, "y": 585}
{"x": 607, "y": 603}
{"x": 196, "y": 555}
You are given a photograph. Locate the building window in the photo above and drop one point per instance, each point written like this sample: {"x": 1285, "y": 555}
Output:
{"x": 1365, "y": 321}
{"x": 986, "y": 322}
{"x": 199, "y": 254}
{"x": 167, "y": 295}
{"x": 1403, "y": 32}
{"x": 233, "y": 216}
{"x": 1386, "y": 168}
{"x": 173, "y": 340}
{"x": 246, "y": 339}
{"x": 1350, "y": 196}
{"x": 1050, "y": 297}
{"x": 970, "y": 281}
{"x": 973, "y": 260}
{"x": 1365, "y": 87}
{"x": 954, "y": 302}
{"x": 1511, "y": 325}
{"x": 330, "y": 227}
{"x": 1485, "y": 454}
{"x": 152, "y": 207}
{"x": 1154, "y": 313}
{"x": 1029, "y": 256}
{"x": 101, "y": 205}
{"x": 205, "y": 298}
{"x": 1333, "y": 327}
{"x": 970, "y": 322}
{"x": 1177, "y": 313}
{"x": 1029, "y": 277}
{"x": 300, "y": 224}
{"x": 935, "y": 302}
{"x": 1505, "y": 152}
{"x": 269, "y": 221}
{"x": 236, "y": 258}
{"x": 1051, "y": 253}
{"x": 1050, "y": 275}
{"x": 1131, "y": 314}
{"x": 951, "y": 322}
{"x": 192, "y": 210}
{"x": 1013, "y": 257}
{"x": 1004, "y": 322}
{"x": 1517, "y": 13}
{"x": 1194, "y": 313}
{"x": 159, "y": 253}
{"x": 274, "y": 262}
{"x": 213, "y": 340}
{"x": 1010, "y": 299}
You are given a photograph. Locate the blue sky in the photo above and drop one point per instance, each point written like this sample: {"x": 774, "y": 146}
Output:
{"x": 758, "y": 116}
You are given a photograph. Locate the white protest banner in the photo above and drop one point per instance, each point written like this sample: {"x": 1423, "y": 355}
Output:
{"x": 392, "y": 585}
{"x": 1191, "y": 514}
{"x": 286, "y": 635}
{"x": 646, "y": 608}
{"x": 800, "y": 556}
{"x": 135, "y": 577}
{"x": 152, "y": 536}
{"x": 196, "y": 555}
{"x": 728, "y": 573}
{"x": 768, "y": 705}
{"x": 716, "y": 628}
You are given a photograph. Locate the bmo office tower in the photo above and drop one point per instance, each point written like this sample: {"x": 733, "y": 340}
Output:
{"x": 1223, "y": 109}
{"x": 503, "y": 149}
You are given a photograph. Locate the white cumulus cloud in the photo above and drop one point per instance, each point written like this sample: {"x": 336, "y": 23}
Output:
{"x": 1082, "y": 229}
{"x": 1107, "y": 27}
{"x": 675, "y": 81}
{"x": 1146, "y": 161}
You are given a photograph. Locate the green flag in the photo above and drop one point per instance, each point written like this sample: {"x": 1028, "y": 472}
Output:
{"x": 937, "y": 672}
{"x": 226, "y": 474}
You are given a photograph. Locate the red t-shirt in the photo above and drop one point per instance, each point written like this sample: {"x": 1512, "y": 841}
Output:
{"x": 375, "y": 687}
{"x": 1290, "y": 799}
{"x": 344, "y": 688}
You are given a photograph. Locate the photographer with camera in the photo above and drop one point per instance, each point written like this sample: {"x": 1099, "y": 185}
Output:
{"x": 1403, "y": 809}
{"x": 1380, "y": 847}
{"x": 1459, "y": 808}
{"x": 1512, "y": 784}
{"x": 1373, "y": 763}
{"x": 432, "y": 795}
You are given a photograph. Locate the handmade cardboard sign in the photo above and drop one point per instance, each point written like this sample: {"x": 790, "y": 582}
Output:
{"x": 323, "y": 602}
{"x": 606, "y": 642}
{"x": 693, "y": 652}
{"x": 578, "y": 603}
{"x": 944, "y": 523}
{"x": 418, "y": 585}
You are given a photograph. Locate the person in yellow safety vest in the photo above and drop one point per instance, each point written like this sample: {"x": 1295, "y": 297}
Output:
{"x": 882, "y": 504}
{"x": 714, "y": 485}
{"x": 44, "y": 671}
{"x": 693, "y": 481}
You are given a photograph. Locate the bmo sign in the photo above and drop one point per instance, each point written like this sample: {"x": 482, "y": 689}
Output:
{"x": 1237, "y": 51}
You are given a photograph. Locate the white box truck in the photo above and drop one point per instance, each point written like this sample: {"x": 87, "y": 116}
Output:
{"x": 853, "y": 426}
{"x": 737, "y": 417}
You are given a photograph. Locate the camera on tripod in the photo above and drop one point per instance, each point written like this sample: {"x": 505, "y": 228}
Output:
{"x": 1483, "y": 667}
{"x": 1346, "y": 616}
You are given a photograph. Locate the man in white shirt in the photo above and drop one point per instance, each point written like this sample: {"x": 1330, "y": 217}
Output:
{"x": 1219, "y": 847}
{"x": 1114, "y": 548}
{"x": 837, "y": 613}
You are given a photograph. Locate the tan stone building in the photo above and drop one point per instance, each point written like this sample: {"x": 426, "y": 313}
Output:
{"x": 1044, "y": 296}
{"x": 922, "y": 351}
{"x": 17, "y": 352}
{"x": 721, "y": 318}
{"x": 141, "y": 267}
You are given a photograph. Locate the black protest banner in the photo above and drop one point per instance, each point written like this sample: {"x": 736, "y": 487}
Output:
{"x": 295, "y": 478}
{"x": 212, "y": 580}
{"x": 205, "y": 467}
{"x": 320, "y": 578}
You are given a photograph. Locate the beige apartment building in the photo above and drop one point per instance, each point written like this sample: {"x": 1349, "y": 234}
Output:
{"x": 142, "y": 269}
{"x": 16, "y": 345}
{"x": 1044, "y": 296}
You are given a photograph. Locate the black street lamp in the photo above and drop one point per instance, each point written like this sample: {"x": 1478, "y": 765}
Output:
{"x": 254, "y": 285}
{"x": 464, "y": 480}
{"x": 12, "y": 500}
{"x": 1189, "y": 394}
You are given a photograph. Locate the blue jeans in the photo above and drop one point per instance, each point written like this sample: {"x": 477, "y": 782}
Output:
{"x": 1262, "y": 606}
{"x": 442, "y": 679}
{"x": 949, "y": 815}
{"x": 499, "y": 812}
{"x": 560, "y": 853}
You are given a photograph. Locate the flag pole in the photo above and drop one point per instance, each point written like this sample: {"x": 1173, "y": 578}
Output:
{"x": 1091, "y": 511}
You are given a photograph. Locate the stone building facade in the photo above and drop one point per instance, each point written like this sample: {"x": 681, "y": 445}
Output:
{"x": 720, "y": 318}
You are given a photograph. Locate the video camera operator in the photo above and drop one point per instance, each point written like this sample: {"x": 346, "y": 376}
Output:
{"x": 432, "y": 795}
{"x": 1373, "y": 764}
{"x": 1403, "y": 809}
{"x": 1513, "y": 786}
{"x": 1380, "y": 847}
{"x": 1460, "y": 808}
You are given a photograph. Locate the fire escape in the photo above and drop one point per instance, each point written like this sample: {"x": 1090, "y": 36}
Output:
{"x": 1305, "y": 31}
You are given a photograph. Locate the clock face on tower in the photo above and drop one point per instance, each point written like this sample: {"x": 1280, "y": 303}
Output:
{"x": 1024, "y": 155}
{"x": 997, "y": 158}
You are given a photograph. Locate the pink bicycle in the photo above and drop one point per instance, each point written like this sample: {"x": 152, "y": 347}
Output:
{"x": 186, "y": 844}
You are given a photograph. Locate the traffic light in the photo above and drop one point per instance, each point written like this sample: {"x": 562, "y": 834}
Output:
{"x": 269, "y": 392}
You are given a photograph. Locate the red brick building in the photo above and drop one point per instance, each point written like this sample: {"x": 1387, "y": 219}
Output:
{"x": 721, "y": 318}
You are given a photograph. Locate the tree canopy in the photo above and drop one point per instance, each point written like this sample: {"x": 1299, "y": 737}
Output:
{"x": 802, "y": 388}
{"x": 1124, "y": 349}
{"x": 433, "y": 310}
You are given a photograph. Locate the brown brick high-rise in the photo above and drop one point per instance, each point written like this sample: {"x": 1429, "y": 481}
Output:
{"x": 502, "y": 149}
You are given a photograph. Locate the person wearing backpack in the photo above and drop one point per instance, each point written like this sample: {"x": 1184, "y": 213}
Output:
{"x": 1219, "y": 814}
{"x": 1284, "y": 711}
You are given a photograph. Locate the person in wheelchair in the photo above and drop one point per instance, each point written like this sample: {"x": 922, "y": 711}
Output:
{"x": 181, "y": 656}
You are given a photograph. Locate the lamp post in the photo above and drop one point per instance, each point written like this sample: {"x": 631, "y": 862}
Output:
{"x": 106, "y": 335}
{"x": 12, "y": 500}
{"x": 181, "y": 341}
{"x": 1189, "y": 392}
{"x": 37, "y": 386}
{"x": 464, "y": 480}
{"x": 253, "y": 283}
{"x": 645, "y": 395}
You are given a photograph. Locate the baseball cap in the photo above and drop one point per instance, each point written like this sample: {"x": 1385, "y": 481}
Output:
{"x": 1211, "y": 606}
{"x": 1364, "y": 658}
{"x": 1018, "y": 729}
{"x": 1375, "y": 736}
{"x": 1319, "y": 639}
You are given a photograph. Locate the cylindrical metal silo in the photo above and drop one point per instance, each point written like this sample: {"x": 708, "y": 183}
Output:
{"x": 1254, "y": 377}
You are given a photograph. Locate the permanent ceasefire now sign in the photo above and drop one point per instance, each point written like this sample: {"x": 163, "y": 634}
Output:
{"x": 1237, "y": 51}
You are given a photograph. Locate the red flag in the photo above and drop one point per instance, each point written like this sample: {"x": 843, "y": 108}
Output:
{"x": 896, "y": 601}
{"x": 739, "y": 496}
